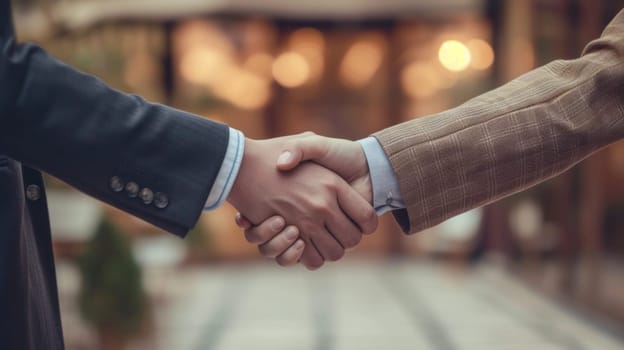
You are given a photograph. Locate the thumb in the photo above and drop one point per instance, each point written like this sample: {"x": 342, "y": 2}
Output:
{"x": 242, "y": 221}
{"x": 302, "y": 149}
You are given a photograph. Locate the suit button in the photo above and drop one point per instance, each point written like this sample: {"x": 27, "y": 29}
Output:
{"x": 147, "y": 196}
{"x": 116, "y": 184}
{"x": 33, "y": 192}
{"x": 160, "y": 200}
{"x": 132, "y": 189}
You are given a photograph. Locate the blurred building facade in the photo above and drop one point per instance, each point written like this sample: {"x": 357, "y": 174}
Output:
{"x": 347, "y": 68}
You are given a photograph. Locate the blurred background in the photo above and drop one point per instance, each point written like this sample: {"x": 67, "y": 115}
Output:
{"x": 543, "y": 269}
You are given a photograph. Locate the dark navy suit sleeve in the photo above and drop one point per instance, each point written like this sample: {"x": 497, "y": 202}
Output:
{"x": 71, "y": 125}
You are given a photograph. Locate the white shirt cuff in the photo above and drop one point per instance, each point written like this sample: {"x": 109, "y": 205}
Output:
{"x": 228, "y": 171}
{"x": 386, "y": 192}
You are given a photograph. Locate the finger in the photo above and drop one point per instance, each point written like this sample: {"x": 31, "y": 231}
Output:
{"x": 311, "y": 258}
{"x": 266, "y": 230}
{"x": 341, "y": 227}
{"x": 292, "y": 255}
{"x": 280, "y": 243}
{"x": 301, "y": 149}
{"x": 357, "y": 208}
{"x": 242, "y": 221}
{"x": 346, "y": 232}
{"x": 327, "y": 245}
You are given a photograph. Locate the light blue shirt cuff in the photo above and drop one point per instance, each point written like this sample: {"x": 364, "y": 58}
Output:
{"x": 386, "y": 192}
{"x": 228, "y": 171}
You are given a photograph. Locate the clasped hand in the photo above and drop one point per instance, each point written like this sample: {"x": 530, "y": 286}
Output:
{"x": 309, "y": 214}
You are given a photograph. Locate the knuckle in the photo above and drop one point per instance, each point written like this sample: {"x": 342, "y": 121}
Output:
{"x": 331, "y": 182}
{"x": 316, "y": 204}
{"x": 265, "y": 250}
{"x": 321, "y": 207}
{"x": 285, "y": 241}
{"x": 338, "y": 182}
{"x": 325, "y": 211}
{"x": 328, "y": 179}
{"x": 252, "y": 236}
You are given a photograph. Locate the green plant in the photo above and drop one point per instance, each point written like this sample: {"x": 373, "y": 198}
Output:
{"x": 112, "y": 297}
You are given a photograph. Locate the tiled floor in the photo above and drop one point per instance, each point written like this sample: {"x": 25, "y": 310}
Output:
{"x": 368, "y": 306}
{"x": 360, "y": 306}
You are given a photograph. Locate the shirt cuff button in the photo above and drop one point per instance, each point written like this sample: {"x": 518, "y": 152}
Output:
{"x": 389, "y": 199}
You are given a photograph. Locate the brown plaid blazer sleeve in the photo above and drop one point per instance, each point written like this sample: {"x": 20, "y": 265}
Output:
{"x": 511, "y": 138}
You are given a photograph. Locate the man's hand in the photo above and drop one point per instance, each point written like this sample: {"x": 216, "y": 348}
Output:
{"x": 329, "y": 214}
{"x": 344, "y": 157}
{"x": 280, "y": 242}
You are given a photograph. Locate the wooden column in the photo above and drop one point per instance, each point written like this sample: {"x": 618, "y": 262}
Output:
{"x": 592, "y": 191}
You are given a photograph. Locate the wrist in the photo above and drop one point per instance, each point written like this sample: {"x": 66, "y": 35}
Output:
{"x": 364, "y": 187}
{"x": 364, "y": 183}
{"x": 236, "y": 195}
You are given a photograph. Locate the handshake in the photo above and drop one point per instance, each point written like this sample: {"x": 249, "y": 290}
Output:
{"x": 304, "y": 198}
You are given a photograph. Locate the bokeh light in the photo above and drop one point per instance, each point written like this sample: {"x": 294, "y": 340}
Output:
{"x": 202, "y": 65}
{"x": 194, "y": 33}
{"x": 481, "y": 53}
{"x": 291, "y": 69}
{"x": 418, "y": 80}
{"x": 421, "y": 79}
{"x": 454, "y": 55}
{"x": 361, "y": 62}
{"x": 244, "y": 90}
{"x": 305, "y": 39}
{"x": 259, "y": 63}
{"x": 310, "y": 43}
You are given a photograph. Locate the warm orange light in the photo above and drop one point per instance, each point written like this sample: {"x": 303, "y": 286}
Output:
{"x": 259, "y": 63}
{"x": 307, "y": 38}
{"x": 225, "y": 79}
{"x": 310, "y": 43}
{"x": 246, "y": 91}
{"x": 194, "y": 33}
{"x": 454, "y": 55}
{"x": 525, "y": 56}
{"x": 291, "y": 69}
{"x": 361, "y": 62}
{"x": 202, "y": 65}
{"x": 241, "y": 88}
{"x": 482, "y": 54}
{"x": 418, "y": 80}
